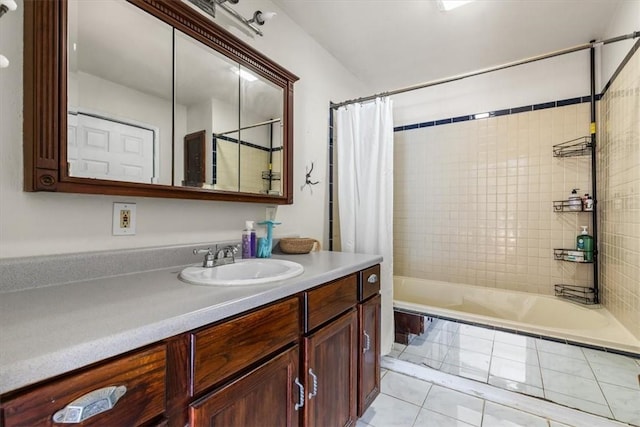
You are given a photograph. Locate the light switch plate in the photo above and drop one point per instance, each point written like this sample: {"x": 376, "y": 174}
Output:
{"x": 124, "y": 219}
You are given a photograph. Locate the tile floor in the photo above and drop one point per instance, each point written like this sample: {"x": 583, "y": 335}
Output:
{"x": 593, "y": 381}
{"x": 407, "y": 401}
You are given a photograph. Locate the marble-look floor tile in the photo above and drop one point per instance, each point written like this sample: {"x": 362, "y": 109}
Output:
{"x": 516, "y": 371}
{"x": 477, "y": 331}
{"x": 624, "y": 402}
{"x": 434, "y": 351}
{"x": 439, "y": 336}
{"x": 467, "y": 358}
{"x": 611, "y": 359}
{"x": 513, "y": 339}
{"x": 394, "y": 353}
{"x": 567, "y": 365}
{"x": 557, "y": 424}
{"x": 405, "y": 388}
{"x": 621, "y": 376}
{"x": 518, "y": 353}
{"x": 420, "y": 360}
{"x": 398, "y": 347}
{"x": 387, "y": 411}
{"x": 427, "y": 418}
{"x": 516, "y": 386}
{"x": 361, "y": 423}
{"x": 468, "y": 342}
{"x": 455, "y": 404}
{"x": 567, "y": 350}
{"x": 583, "y": 405}
{"x": 571, "y": 385}
{"x": 466, "y": 372}
{"x": 446, "y": 325}
{"x": 502, "y": 416}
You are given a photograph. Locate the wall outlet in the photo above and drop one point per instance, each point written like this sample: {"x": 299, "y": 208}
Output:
{"x": 124, "y": 219}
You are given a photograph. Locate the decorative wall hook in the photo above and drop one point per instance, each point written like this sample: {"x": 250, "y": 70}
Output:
{"x": 307, "y": 180}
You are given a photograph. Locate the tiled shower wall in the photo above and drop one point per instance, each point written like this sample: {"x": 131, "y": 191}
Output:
{"x": 473, "y": 200}
{"x": 619, "y": 195}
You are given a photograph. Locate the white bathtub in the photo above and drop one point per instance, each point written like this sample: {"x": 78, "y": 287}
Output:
{"x": 522, "y": 311}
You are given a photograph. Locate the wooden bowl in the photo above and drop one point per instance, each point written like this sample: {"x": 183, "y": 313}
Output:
{"x": 298, "y": 245}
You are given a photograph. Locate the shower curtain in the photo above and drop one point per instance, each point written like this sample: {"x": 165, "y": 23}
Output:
{"x": 364, "y": 143}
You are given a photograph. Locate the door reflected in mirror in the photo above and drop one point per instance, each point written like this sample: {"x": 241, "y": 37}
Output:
{"x": 119, "y": 93}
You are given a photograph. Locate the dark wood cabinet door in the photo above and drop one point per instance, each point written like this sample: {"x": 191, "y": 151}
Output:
{"x": 369, "y": 353}
{"x": 264, "y": 397}
{"x": 330, "y": 373}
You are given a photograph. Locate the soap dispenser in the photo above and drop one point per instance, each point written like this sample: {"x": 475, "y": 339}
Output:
{"x": 584, "y": 242}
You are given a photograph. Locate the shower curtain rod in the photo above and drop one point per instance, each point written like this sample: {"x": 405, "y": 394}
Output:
{"x": 490, "y": 69}
{"x": 268, "y": 122}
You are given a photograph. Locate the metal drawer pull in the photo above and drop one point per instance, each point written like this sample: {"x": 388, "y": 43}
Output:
{"x": 373, "y": 279}
{"x": 300, "y": 403}
{"x": 92, "y": 403}
{"x": 367, "y": 342}
{"x": 315, "y": 384}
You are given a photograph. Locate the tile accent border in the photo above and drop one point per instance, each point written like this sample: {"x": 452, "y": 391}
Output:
{"x": 524, "y": 333}
{"x": 496, "y": 113}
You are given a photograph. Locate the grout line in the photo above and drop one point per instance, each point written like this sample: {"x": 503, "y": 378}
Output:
{"x": 521, "y": 402}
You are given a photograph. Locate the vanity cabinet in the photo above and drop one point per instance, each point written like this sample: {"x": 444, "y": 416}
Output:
{"x": 369, "y": 309}
{"x": 265, "y": 396}
{"x": 310, "y": 359}
{"x": 330, "y": 353}
{"x": 140, "y": 378}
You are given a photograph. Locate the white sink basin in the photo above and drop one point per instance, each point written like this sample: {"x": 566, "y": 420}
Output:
{"x": 243, "y": 272}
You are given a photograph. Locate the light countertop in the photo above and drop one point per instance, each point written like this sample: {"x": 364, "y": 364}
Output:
{"x": 49, "y": 331}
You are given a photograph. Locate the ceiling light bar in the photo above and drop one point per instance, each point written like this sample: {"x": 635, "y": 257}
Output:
{"x": 259, "y": 17}
{"x": 447, "y": 5}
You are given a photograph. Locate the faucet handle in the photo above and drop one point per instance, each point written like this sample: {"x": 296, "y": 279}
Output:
{"x": 208, "y": 257}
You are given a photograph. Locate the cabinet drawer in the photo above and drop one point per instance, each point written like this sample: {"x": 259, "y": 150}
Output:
{"x": 222, "y": 350}
{"x": 328, "y": 301}
{"x": 142, "y": 373}
{"x": 369, "y": 282}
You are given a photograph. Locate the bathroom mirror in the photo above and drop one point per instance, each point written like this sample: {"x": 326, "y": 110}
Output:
{"x": 150, "y": 98}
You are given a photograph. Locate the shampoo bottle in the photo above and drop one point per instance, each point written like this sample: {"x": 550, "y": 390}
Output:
{"x": 584, "y": 242}
{"x": 248, "y": 241}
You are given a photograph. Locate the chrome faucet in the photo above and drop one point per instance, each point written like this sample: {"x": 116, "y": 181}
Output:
{"x": 225, "y": 255}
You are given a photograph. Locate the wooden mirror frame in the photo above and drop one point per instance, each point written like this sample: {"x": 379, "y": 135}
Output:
{"x": 45, "y": 102}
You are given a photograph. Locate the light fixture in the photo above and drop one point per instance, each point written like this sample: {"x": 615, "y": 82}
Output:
{"x": 244, "y": 74}
{"x": 209, "y": 6}
{"x": 481, "y": 115}
{"x": 447, "y": 5}
{"x": 4, "y": 62}
{"x": 7, "y": 5}
{"x": 260, "y": 17}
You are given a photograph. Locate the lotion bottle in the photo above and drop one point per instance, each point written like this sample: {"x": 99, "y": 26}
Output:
{"x": 248, "y": 241}
{"x": 575, "y": 201}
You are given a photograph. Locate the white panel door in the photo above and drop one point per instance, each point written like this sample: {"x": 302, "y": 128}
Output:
{"x": 105, "y": 149}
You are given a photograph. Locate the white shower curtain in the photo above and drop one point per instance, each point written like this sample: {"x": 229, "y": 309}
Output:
{"x": 364, "y": 143}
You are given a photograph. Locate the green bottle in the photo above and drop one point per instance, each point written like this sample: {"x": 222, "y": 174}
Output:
{"x": 584, "y": 242}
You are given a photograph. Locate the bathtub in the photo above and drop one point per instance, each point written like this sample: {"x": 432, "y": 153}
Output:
{"x": 521, "y": 311}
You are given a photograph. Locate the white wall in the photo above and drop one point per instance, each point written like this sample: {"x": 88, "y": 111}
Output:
{"x": 562, "y": 77}
{"x": 625, "y": 21}
{"x": 46, "y": 223}
{"x": 552, "y": 79}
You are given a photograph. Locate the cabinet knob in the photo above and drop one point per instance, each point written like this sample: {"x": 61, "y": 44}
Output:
{"x": 373, "y": 279}
{"x": 315, "y": 384}
{"x": 300, "y": 403}
{"x": 92, "y": 403}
